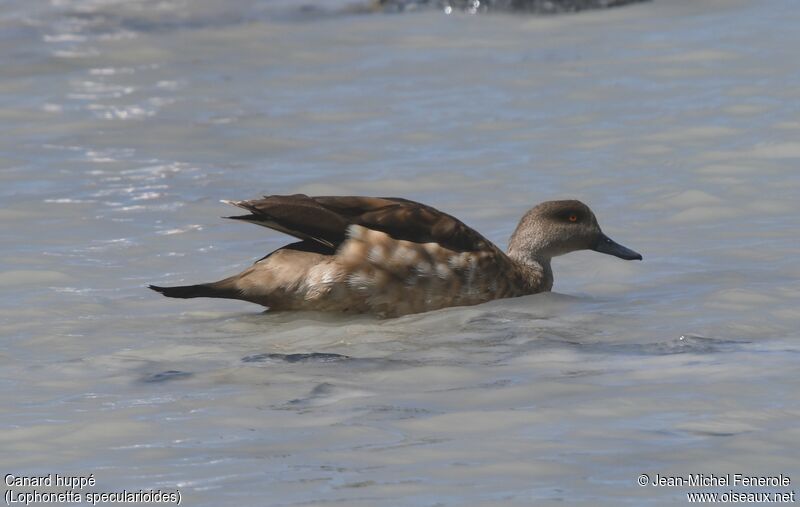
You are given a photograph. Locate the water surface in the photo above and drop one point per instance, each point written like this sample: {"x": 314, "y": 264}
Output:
{"x": 124, "y": 123}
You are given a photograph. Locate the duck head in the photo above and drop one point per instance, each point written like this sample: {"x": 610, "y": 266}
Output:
{"x": 558, "y": 227}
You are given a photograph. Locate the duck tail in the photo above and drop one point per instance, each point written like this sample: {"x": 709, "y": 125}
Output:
{"x": 221, "y": 289}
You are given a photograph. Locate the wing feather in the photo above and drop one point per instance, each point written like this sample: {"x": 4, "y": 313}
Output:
{"x": 325, "y": 219}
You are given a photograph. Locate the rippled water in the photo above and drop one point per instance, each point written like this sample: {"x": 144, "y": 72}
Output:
{"x": 124, "y": 123}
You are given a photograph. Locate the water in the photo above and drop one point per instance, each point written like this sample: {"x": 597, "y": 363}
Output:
{"x": 124, "y": 123}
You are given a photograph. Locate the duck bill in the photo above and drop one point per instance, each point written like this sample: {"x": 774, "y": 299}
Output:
{"x": 608, "y": 246}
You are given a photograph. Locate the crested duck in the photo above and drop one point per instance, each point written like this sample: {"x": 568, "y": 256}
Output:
{"x": 390, "y": 256}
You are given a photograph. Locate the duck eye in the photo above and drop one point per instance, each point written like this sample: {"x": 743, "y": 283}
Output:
{"x": 573, "y": 218}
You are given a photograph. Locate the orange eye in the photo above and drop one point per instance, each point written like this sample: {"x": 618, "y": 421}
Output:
{"x": 573, "y": 218}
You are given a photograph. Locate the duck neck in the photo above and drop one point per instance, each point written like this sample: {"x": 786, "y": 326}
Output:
{"x": 535, "y": 268}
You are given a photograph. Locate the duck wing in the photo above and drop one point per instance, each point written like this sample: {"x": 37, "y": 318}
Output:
{"x": 326, "y": 219}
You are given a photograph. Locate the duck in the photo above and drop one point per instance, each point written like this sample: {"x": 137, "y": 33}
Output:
{"x": 390, "y": 256}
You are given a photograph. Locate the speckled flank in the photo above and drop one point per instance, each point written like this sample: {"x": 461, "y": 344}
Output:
{"x": 396, "y": 277}
{"x": 373, "y": 272}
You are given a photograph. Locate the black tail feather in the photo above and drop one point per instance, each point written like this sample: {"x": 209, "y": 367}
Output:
{"x": 203, "y": 290}
{"x": 246, "y": 218}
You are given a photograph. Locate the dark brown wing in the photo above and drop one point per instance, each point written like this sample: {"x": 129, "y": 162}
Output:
{"x": 326, "y": 219}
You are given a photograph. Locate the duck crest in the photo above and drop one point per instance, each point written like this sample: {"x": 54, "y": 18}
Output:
{"x": 391, "y": 256}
